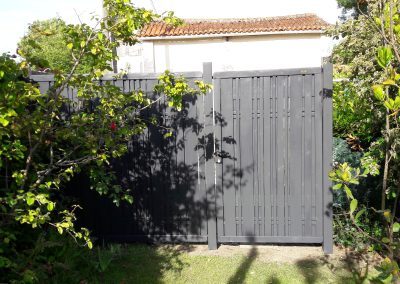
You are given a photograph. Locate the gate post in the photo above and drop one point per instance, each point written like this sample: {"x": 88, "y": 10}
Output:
{"x": 327, "y": 156}
{"x": 209, "y": 140}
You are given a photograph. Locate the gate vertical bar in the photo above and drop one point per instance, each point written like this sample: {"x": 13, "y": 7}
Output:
{"x": 327, "y": 157}
{"x": 209, "y": 140}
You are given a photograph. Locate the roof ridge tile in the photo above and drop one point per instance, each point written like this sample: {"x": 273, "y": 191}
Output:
{"x": 298, "y": 22}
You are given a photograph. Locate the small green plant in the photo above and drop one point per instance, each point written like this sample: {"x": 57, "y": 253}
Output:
{"x": 105, "y": 255}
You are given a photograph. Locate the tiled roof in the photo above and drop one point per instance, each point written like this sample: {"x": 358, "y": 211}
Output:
{"x": 304, "y": 22}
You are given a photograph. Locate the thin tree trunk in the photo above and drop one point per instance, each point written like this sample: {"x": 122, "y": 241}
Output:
{"x": 386, "y": 168}
{"x": 112, "y": 39}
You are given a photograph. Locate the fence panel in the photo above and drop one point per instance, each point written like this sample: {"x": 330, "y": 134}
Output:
{"x": 246, "y": 164}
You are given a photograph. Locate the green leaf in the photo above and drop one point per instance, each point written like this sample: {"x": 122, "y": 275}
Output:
{"x": 387, "y": 214}
{"x": 396, "y": 227}
{"x": 388, "y": 105}
{"x": 50, "y": 206}
{"x": 378, "y": 92}
{"x": 4, "y": 121}
{"x": 30, "y": 200}
{"x": 337, "y": 186}
{"x": 359, "y": 213}
{"x": 98, "y": 73}
{"x": 129, "y": 199}
{"x": 348, "y": 192}
{"x": 168, "y": 134}
{"x": 1, "y": 74}
{"x": 89, "y": 244}
{"x": 70, "y": 45}
{"x": 384, "y": 56}
{"x": 60, "y": 230}
{"x": 385, "y": 240}
{"x": 389, "y": 82}
{"x": 353, "y": 205}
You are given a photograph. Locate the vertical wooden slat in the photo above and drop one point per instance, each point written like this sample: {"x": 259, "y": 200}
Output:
{"x": 273, "y": 160}
{"x": 281, "y": 147}
{"x": 260, "y": 156}
{"x": 267, "y": 155}
{"x": 193, "y": 194}
{"x": 237, "y": 160}
{"x": 201, "y": 156}
{"x": 246, "y": 156}
{"x": 295, "y": 153}
{"x": 308, "y": 162}
{"x": 227, "y": 145}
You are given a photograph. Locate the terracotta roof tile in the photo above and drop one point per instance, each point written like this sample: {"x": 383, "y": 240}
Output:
{"x": 304, "y": 22}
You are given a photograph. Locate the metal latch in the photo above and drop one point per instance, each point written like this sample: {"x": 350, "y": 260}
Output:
{"x": 219, "y": 156}
{"x": 327, "y": 93}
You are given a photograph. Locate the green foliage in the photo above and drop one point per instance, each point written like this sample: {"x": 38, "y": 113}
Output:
{"x": 375, "y": 86}
{"x": 44, "y": 46}
{"x": 343, "y": 154}
{"x": 42, "y": 146}
{"x": 348, "y": 235}
{"x": 356, "y": 7}
{"x": 51, "y": 258}
{"x": 356, "y": 112}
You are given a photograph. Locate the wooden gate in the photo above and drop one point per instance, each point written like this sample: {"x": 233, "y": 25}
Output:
{"x": 247, "y": 163}
{"x": 269, "y": 138}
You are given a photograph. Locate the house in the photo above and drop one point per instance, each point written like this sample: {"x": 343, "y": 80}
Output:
{"x": 230, "y": 44}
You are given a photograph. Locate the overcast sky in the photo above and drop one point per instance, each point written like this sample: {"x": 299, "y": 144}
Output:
{"x": 16, "y": 15}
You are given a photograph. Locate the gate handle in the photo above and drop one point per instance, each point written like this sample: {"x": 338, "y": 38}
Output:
{"x": 219, "y": 155}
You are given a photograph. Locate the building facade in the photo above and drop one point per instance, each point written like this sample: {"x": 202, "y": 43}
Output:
{"x": 230, "y": 44}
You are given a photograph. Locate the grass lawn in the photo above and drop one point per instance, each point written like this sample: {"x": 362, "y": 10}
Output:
{"x": 169, "y": 264}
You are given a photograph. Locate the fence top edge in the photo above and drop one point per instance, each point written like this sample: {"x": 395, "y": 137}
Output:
{"x": 133, "y": 76}
{"x": 42, "y": 78}
{"x": 129, "y": 76}
{"x": 265, "y": 73}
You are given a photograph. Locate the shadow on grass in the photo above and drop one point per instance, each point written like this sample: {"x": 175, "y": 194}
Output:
{"x": 146, "y": 264}
{"x": 358, "y": 264}
{"x": 172, "y": 263}
{"x": 309, "y": 269}
{"x": 244, "y": 267}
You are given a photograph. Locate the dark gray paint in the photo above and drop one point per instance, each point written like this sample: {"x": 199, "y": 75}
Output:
{"x": 327, "y": 158}
{"x": 272, "y": 175}
{"x": 274, "y": 130}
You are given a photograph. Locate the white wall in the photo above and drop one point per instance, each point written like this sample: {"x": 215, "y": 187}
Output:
{"x": 233, "y": 53}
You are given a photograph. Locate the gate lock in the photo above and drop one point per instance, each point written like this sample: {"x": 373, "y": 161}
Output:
{"x": 219, "y": 155}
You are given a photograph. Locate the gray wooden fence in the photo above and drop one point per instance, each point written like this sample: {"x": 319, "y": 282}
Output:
{"x": 248, "y": 163}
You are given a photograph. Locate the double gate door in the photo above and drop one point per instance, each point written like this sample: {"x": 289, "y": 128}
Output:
{"x": 247, "y": 163}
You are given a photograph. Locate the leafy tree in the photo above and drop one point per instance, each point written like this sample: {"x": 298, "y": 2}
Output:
{"x": 384, "y": 17}
{"x": 354, "y": 6}
{"x": 43, "y": 146}
{"x": 356, "y": 113}
{"x": 45, "y": 45}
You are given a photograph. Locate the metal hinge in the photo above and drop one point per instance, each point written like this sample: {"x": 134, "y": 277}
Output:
{"x": 327, "y": 93}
